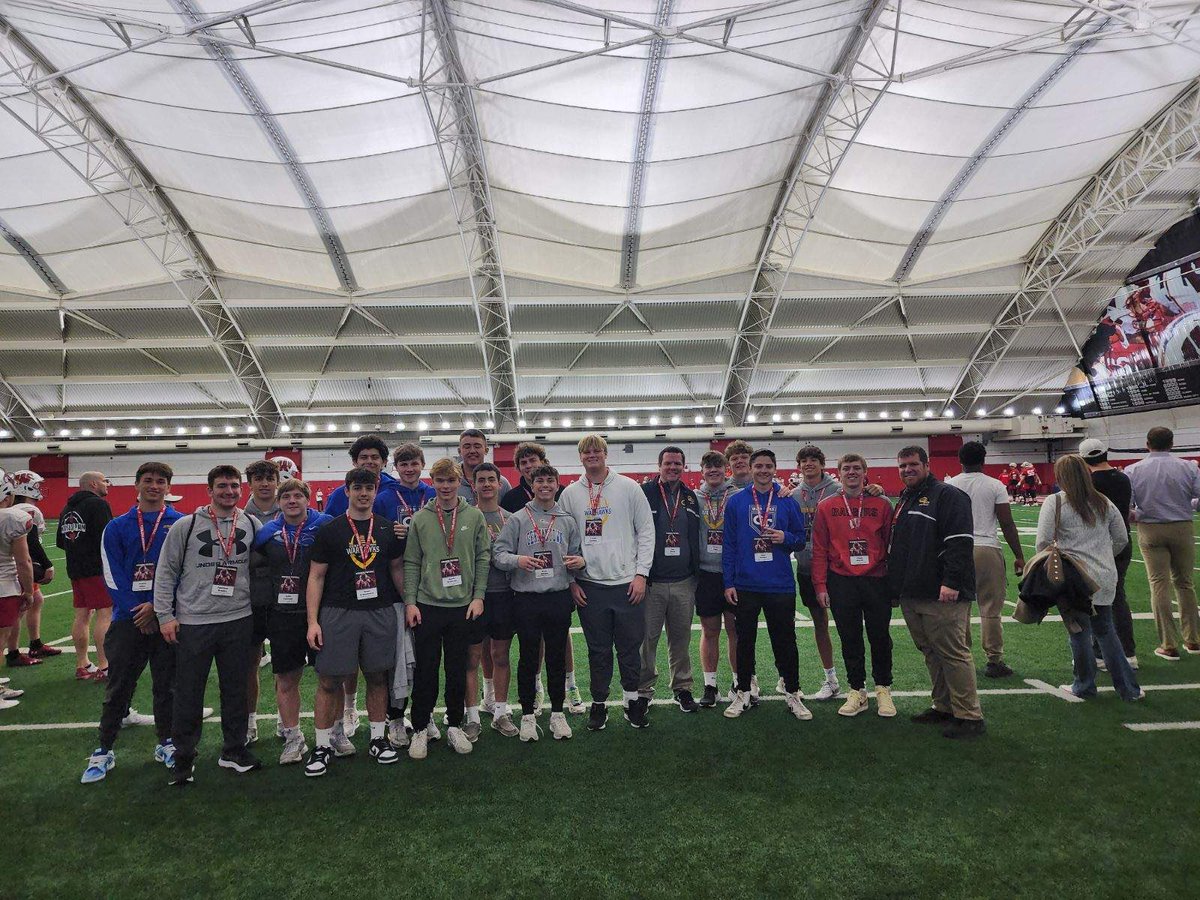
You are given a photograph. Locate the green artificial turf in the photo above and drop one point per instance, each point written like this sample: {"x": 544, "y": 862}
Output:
{"x": 1059, "y": 800}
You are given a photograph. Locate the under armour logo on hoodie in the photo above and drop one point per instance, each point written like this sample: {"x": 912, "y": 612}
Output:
{"x": 208, "y": 542}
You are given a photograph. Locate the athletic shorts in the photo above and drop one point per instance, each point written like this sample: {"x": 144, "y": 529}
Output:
{"x": 288, "y": 634}
{"x": 10, "y": 611}
{"x": 259, "y": 615}
{"x": 90, "y": 593}
{"x": 498, "y": 621}
{"x": 710, "y": 595}
{"x": 354, "y": 639}
{"x": 808, "y": 593}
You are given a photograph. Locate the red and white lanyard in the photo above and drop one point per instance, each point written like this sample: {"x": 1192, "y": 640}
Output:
{"x": 364, "y": 544}
{"x": 762, "y": 512}
{"x": 542, "y": 538}
{"x": 449, "y": 536}
{"x": 226, "y": 546}
{"x": 147, "y": 544}
{"x": 672, "y": 511}
{"x": 855, "y": 521}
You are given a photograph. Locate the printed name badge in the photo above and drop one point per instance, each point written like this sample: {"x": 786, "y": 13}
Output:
{"x": 365, "y": 586}
{"x": 858, "y": 554}
{"x": 289, "y": 590}
{"x": 671, "y": 544}
{"x": 545, "y": 564}
{"x": 715, "y": 541}
{"x": 224, "y": 580}
{"x": 763, "y": 551}
{"x": 451, "y": 572}
{"x": 593, "y": 530}
{"x": 143, "y": 577}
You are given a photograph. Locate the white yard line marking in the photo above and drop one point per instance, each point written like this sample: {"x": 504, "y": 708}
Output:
{"x": 1163, "y": 726}
{"x": 1053, "y": 691}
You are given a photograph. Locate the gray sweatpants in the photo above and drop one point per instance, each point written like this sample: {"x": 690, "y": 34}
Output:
{"x": 673, "y": 604}
{"x": 609, "y": 620}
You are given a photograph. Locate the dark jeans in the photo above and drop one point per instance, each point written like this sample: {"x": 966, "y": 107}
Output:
{"x": 853, "y": 602}
{"x": 227, "y": 643}
{"x": 541, "y": 617}
{"x": 780, "y": 613}
{"x": 1101, "y": 626}
{"x": 442, "y": 628}
{"x": 128, "y": 652}
{"x": 1122, "y": 616}
{"x": 609, "y": 620}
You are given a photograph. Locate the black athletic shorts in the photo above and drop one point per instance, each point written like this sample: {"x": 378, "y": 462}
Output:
{"x": 288, "y": 634}
{"x": 710, "y": 595}
{"x": 498, "y": 621}
{"x": 259, "y": 614}
{"x": 808, "y": 593}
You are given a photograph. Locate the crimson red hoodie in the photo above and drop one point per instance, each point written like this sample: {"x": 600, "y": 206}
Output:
{"x": 840, "y": 548}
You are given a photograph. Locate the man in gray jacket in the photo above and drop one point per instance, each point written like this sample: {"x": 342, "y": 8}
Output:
{"x": 202, "y": 601}
{"x": 540, "y": 545}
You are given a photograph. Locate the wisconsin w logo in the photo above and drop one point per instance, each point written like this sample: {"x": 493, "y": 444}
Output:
{"x": 209, "y": 543}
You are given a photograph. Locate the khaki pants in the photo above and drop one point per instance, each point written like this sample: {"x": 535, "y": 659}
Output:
{"x": 1169, "y": 551}
{"x": 942, "y": 632}
{"x": 991, "y": 584}
{"x": 673, "y": 604}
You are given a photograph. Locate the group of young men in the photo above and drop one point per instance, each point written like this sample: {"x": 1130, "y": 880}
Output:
{"x": 1022, "y": 483}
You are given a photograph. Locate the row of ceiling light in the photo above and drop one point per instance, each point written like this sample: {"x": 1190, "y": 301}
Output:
{"x": 566, "y": 422}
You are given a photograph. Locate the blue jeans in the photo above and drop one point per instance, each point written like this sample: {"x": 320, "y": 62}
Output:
{"x": 1101, "y": 626}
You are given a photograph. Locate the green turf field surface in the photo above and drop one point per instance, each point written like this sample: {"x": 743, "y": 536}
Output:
{"x": 1059, "y": 800}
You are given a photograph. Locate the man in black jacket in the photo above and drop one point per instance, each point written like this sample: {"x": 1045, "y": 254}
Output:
{"x": 671, "y": 594}
{"x": 931, "y": 576}
{"x": 80, "y": 527}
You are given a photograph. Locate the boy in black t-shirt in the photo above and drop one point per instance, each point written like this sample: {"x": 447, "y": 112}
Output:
{"x": 355, "y": 577}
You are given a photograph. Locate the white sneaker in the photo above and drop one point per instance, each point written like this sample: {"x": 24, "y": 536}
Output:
{"x": 738, "y": 705}
{"x": 755, "y": 693}
{"x": 397, "y": 733}
{"x": 339, "y": 742}
{"x": 7, "y": 693}
{"x": 780, "y": 687}
{"x": 4, "y": 681}
{"x": 575, "y": 704}
{"x": 458, "y": 741}
{"x": 856, "y": 702}
{"x": 1133, "y": 663}
{"x": 9, "y": 704}
{"x": 265, "y": 661}
{"x": 529, "y": 728}
{"x": 829, "y": 689}
{"x": 136, "y": 718}
{"x": 796, "y": 705}
{"x": 294, "y": 748}
{"x": 559, "y": 727}
{"x": 350, "y": 722}
{"x": 432, "y": 733}
{"x": 418, "y": 748}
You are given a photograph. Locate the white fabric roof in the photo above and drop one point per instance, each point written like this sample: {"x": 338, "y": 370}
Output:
{"x": 560, "y": 148}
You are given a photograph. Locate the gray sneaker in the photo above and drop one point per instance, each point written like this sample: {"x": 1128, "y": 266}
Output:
{"x": 397, "y": 733}
{"x": 472, "y": 730}
{"x": 294, "y": 748}
{"x": 340, "y": 744}
{"x": 504, "y": 725}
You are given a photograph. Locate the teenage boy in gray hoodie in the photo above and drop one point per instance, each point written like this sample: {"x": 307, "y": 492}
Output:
{"x": 541, "y": 546}
{"x": 202, "y": 601}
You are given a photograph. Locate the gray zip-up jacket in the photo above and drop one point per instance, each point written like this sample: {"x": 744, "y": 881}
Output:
{"x": 183, "y": 580}
{"x": 517, "y": 538}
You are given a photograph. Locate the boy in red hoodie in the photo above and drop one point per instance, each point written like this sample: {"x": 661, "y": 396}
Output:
{"x": 851, "y": 532}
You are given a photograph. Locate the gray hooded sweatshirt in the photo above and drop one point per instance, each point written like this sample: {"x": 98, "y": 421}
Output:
{"x": 710, "y": 560}
{"x": 517, "y": 538}
{"x": 808, "y": 496}
{"x": 183, "y": 581}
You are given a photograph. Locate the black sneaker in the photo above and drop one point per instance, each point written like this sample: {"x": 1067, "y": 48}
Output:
{"x": 686, "y": 701}
{"x": 240, "y": 760}
{"x": 964, "y": 729}
{"x": 635, "y": 712}
{"x": 933, "y": 716}
{"x": 183, "y": 772}
{"x": 382, "y": 752}
{"x": 597, "y": 717}
{"x": 997, "y": 670}
{"x": 317, "y": 763}
{"x": 709, "y": 699}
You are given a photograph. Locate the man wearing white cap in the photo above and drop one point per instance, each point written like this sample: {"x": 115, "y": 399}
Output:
{"x": 1114, "y": 484}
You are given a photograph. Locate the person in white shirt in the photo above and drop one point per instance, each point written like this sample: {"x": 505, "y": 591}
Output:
{"x": 989, "y": 508}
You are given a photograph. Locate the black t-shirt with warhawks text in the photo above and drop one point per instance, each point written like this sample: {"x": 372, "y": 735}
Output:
{"x": 351, "y": 581}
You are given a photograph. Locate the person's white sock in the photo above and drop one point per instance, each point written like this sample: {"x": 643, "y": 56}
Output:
{"x": 537, "y": 685}
{"x": 251, "y": 720}
{"x": 324, "y": 737}
{"x": 629, "y": 696}
{"x": 710, "y": 679}
{"x": 352, "y": 701}
{"x": 734, "y": 680}
{"x": 571, "y": 680}
{"x": 378, "y": 730}
{"x": 831, "y": 673}
{"x": 289, "y": 732}
{"x": 473, "y": 714}
{"x": 501, "y": 708}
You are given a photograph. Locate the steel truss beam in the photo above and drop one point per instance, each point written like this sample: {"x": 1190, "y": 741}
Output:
{"x": 451, "y": 111}
{"x": 16, "y": 414}
{"x": 1170, "y": 139}
{"x": 834, "y": 125}
{"x": 62, "y": 120}
{"x": 632, "y": 240}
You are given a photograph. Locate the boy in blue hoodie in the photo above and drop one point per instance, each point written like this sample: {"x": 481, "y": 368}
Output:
{"x": 760, "y": 532}
{"x": 129, "y": 550}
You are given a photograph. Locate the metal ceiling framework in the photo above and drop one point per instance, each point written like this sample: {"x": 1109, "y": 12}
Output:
{"x": 845, "y": 106}
{"x": 61, "y": 119}
{"x": 1171, "y": 138}
{"x": 451, "y": 110}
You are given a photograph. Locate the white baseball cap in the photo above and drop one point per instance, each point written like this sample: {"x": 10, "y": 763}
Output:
{"x": 1093, "y": 448}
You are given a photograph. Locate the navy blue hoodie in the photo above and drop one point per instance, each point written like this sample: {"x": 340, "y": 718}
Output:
{"x": 740, "y": 569}
{"x": 269, "y": 560}
{"x": 386, "y": 501}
